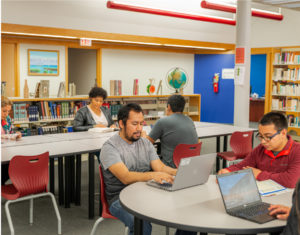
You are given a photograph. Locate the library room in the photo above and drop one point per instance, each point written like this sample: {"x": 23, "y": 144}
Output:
{"x": 150, "y": 117}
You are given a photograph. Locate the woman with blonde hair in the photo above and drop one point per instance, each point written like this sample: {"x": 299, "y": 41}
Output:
{"x": 6, "y": 123}
{"x": 6, "y": 132}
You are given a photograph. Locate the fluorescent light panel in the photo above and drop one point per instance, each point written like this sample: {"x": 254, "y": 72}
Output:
{"x": 39, "y": 35}
{"x": 117, "y": 41}
{"x": 195, "y": 47}
{"x": 122, "y": 41}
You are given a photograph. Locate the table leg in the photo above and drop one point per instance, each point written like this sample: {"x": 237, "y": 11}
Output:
{"x": 224, "y": 150}
{"x": 60, "y": 181}
{"x": 78, "y": 180}
{"x": 67, "y": 182}
{"x": 72, "y": 179}
{"x": 225, "y": 143}
{"x": 138, "y": 226}
{"x": 218, "y": 150}
{"x": 51, "y": 175}
{"x": 91, "y": 185}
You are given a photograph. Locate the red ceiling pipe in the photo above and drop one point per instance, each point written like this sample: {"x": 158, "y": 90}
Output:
{"x": 232, "y": 9}
{"x": 120, "y": 6}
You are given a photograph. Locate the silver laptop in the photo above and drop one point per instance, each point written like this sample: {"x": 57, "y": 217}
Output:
{"x": 241, "y": 196}
{"x": 191, "y": 171}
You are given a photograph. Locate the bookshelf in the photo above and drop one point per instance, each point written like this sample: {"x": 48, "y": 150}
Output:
{"x": 60, "y": 112}
{"x": 285, "y": 92}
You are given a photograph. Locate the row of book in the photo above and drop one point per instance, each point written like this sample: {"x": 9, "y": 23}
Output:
{"x": 287, "y": 58}
{"x": 44, "y": 130}
{"x": 286, "y": 104}
{"x": 293, "y": 121}
{"x": 115, "y": 87}
{"x": 281, "y": 74}
{"x": 46, "y": 110}
{"x": 114, "y": 109}
{"x": 286, "y": 89}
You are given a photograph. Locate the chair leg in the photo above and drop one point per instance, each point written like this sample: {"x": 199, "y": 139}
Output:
{"x": 11, "y": 227}
{"x": 126, "y": 231}
{"x": 167, "y": 230}
{"x": 98, "y": 221}
{"x": 57, "y": 213}
{"x": 31, "y": 211}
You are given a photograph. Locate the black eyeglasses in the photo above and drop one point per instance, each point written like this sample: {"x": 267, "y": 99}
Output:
{"x": 267, "y": 138}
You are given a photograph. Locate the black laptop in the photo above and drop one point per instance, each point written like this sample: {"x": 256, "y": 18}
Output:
{"x": 241, "y": 196}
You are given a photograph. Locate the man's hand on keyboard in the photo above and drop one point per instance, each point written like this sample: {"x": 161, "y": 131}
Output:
{"x": 281, "y": 212}
{"x": 162, "y": 177}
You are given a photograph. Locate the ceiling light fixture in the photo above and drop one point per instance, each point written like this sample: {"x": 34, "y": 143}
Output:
{"x": 39, "y": 35}
{"x": 122, "y": 41}
{"x": 195, "y": 47}
{"x": 232, "y": 9}
{"x": 138, "y": 8}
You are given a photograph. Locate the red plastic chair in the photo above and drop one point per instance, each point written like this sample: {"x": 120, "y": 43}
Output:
{"x": 185, "y": 150}
{"x": 29, "y": 176}
{"x": 241, "y": 145}
{"x": 105, "y": 208}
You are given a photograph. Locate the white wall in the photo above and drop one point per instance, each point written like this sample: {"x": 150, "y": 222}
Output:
{"x": 32, "y": 80}
{"x": 127, "y": 65}
{"x": 94, "y": 16}
{"x": 82, "y": 69}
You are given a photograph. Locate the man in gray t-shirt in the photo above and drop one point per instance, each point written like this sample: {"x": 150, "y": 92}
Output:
{"x": 127, "y": 158}
{"x": 174, "y": 129}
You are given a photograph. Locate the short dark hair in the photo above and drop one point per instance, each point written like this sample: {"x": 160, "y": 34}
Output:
{"x": 123, "y": 113}
{"x": 278, "y": 119}
{"x": 177, "y": 103}
{"x": 98, "y": 91}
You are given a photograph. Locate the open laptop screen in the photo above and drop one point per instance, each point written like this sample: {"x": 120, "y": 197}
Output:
{"x": 238, "y": 188}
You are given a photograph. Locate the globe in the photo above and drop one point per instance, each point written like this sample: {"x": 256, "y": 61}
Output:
{"x": 176, "y": 78}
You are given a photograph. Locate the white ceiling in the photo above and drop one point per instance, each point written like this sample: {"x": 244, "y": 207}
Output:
{"x": 290, "y": 4}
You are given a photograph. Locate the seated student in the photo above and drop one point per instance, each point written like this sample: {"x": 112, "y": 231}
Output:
{"x": 127, "y": 158}
{"x": 6, "y": 130}
{"x": 94, "y": 114}
{"x": 292, "y": 215}
{"x": 174, "y": 129}
{"x": 277, "y": 157}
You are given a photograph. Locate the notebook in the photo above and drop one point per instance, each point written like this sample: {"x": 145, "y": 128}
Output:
{"x": 191, "y": 171}
{"x": 241, "y": 196}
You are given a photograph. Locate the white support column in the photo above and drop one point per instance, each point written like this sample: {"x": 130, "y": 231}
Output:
{"x": 242, "y": 90}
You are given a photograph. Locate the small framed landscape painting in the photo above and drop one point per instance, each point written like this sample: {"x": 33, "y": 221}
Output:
{"x": 43, "y": 62}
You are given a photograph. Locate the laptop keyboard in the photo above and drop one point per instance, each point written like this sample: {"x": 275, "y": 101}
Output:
{"x": 164, "y": 186}
{"x": 253, "y": 210}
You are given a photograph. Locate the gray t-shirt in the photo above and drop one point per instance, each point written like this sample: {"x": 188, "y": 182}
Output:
{"x": 136, "y": 156}
{"x": 173, "y": 130}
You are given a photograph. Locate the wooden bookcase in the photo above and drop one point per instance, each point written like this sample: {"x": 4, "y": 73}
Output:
{"x": 153, "y": 106}
{"x": 285, "y": 85}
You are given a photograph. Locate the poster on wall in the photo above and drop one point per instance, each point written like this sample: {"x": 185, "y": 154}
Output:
{"x": 43, "y": 62}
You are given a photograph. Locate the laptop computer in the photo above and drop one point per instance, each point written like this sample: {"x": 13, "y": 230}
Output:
{"x": 191, "y": 171}
{"x": 241, "y": 196}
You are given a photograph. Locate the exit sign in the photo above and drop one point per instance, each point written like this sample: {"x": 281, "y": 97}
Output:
{"x": 85, "y": 42}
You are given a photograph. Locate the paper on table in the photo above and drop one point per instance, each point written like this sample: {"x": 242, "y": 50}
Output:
{"x": 101, "y": 129}
{"x": 267, "y": 187}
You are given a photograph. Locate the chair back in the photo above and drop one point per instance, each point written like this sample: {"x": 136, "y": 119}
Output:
{"x": 29, "y": 174}
{"x": 105, "y": 207}
{"x": 185, "y": 150}
{"x": 241, "y": 143}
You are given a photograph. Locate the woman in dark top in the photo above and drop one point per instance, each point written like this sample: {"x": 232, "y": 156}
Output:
{"x": 94, "y": 114}
{"x": 291, "y": 214}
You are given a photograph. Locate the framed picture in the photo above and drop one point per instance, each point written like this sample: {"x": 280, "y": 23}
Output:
{"x": 43, "y": 63}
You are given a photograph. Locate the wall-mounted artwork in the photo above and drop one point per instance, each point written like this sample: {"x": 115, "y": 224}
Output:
{"x": 43, "y": 63}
